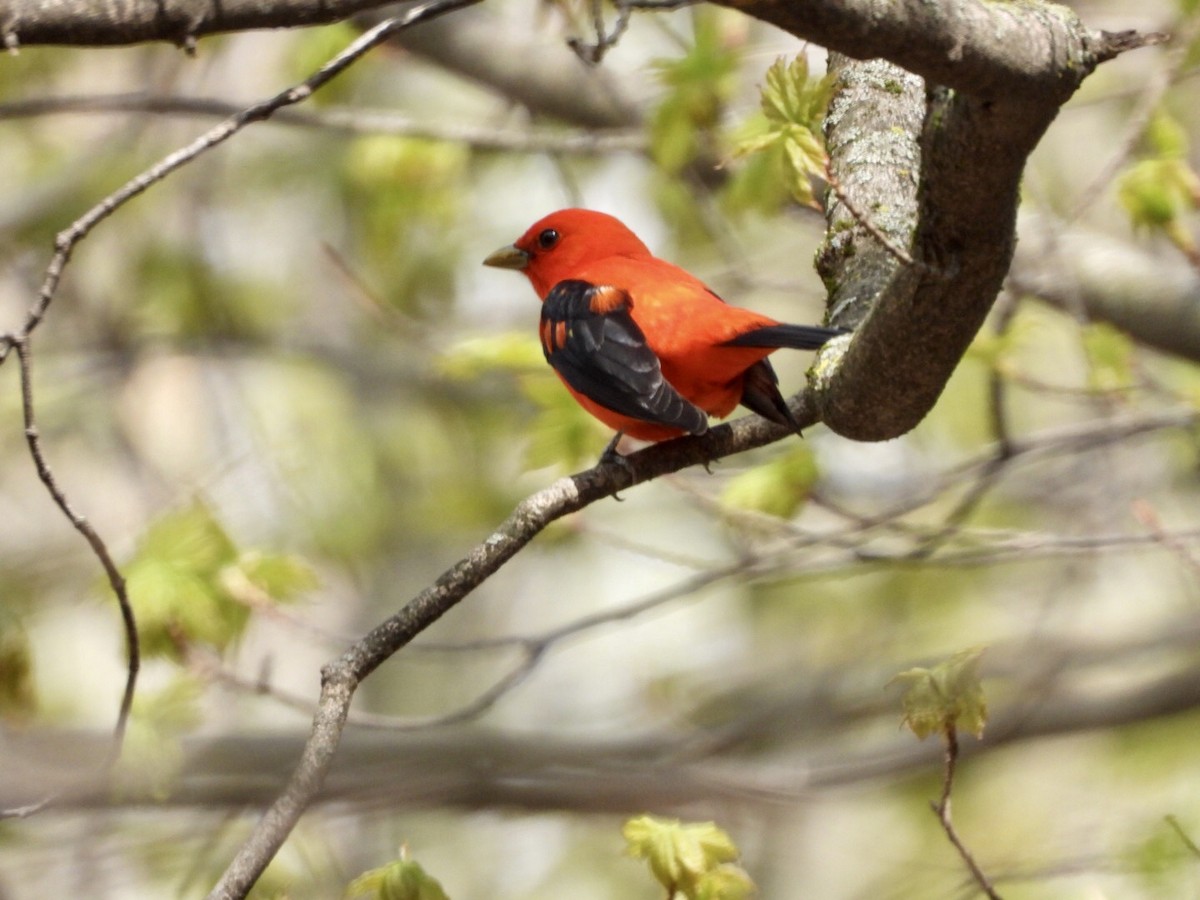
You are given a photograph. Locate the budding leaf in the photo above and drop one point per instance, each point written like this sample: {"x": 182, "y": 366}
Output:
{"x": 794, "y": 105}
{"x": 681, "y": 855}
{"x": 945, "y": 697}
{"x": 725, "y": 882}
{"x": 402, "y": 879}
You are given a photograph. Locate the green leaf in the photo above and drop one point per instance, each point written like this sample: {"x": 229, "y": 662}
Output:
{"x": 725, "y": 882}
{"x": 791, "y": 97}
{"x": 794, "y": 106}
{"x": 191, "y": 538}
{"x": 947, "y": 696}
{"x": 679, "y": 854}
{"x": 1166, "y": 137}
{"x": 777, "y": 488}
{"x": 188, "y": 582}
{"x": 1155, "y": 192}
{"x": 258, "y": 577}
{"x": 175, "y": 606}
{"x": 402, "y": 879}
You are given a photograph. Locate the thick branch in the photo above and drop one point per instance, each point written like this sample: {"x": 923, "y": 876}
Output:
{"x": 85, "y": 23}
{"x": 1152, "y": 297}
{"x": 1009, "y": 84}
{"x": 536, "y": 70}
{"x": 989, "y": 50}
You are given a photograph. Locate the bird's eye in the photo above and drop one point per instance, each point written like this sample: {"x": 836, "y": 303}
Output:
{"x": 547, "y": 238}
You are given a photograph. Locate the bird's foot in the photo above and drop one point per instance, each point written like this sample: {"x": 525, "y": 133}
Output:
{"x": 611, "y": 456}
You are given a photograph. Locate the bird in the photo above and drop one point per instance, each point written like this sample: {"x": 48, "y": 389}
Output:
{"x": 643, "y": 345}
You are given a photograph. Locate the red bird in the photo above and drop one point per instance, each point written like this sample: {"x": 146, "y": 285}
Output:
{"x": 644, "y": 346}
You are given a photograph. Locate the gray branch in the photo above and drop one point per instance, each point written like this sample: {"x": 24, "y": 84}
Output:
{"x": 1154, "y": 297}
{"x": 97, "y": 23}
{"x": 995, "y": 77}
{"x": 476, "y": 768}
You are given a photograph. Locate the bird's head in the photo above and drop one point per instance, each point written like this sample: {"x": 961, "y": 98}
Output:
{"x": 560, "y": 245}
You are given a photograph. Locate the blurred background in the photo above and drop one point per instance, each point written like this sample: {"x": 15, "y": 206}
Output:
{"x": 283, "y": 390}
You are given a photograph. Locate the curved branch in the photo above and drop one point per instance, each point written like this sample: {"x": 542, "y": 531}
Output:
{"x": 1011, "y": 66}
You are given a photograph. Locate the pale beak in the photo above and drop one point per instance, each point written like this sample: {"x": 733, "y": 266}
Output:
{"x": 510, "y": 257}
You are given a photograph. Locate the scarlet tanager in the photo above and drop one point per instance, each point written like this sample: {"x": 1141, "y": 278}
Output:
{"x": 644, "y": 346}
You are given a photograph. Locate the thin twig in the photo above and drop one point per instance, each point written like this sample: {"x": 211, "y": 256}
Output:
{"x": 1143, "y": 112}
{"x": 1183, "y": 835}
{"x": 886, "y": 242}
{"x": 941, "y": 809}
{"x": 67, "y": 239}
{"x": 115, "y": 580}
{"x": 1148, "y": 516}
{"x": 344, "y": 119}
{"x": 992, "y": 472}
{"x": 606, "y": 40}
{"x": 64, "y": 245}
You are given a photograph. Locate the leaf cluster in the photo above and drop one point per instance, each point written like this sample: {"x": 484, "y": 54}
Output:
{"x": 946, "y": 697}
{"x": 695, "y": 860}
{"x": 189, "y": 582}
{"x": 794, "y": 104}
{"x": 1158, "y": 190}
{"x": 401, "y": 879}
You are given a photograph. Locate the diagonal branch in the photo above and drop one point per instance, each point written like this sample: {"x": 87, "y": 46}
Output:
{"x": 340, "y": 679}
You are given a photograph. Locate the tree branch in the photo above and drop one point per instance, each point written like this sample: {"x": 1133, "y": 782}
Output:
{"x": 350, "y": 120}
{"x": 84, "y": 23}
{"x": 1010, "y": 67}
{"x": 341, "y": 678}
{"x": 1150, "y": 296}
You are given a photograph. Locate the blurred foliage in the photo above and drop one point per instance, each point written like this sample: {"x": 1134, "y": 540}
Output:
{"x": 18, "y": 697}
{"x": 698, "y": 85}
{"x": 401, "y": 879}
{"x": 946, "y": 697}
{"x": 1110, "y": 356}
{"x": 189, "y": 583}
{"x": 1158, "y": 190}
{"x": 778, "y": 487}
{"x": 561, "y": 433}
{"x": 193, "y": 300}
{"x": 405, "y": 198}
{"x": 152, "y": 756}
{"x": 350, "y": 388}
{"x": 691, "y": 860}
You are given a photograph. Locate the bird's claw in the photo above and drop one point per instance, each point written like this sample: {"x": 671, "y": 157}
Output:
{"x": 610, "y": 456}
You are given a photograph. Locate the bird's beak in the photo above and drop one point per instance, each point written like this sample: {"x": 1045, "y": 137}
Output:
{"x": 509, "y": 257}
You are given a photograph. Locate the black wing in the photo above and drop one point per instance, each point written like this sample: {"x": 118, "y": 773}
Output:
{"x": 592, "y": 341}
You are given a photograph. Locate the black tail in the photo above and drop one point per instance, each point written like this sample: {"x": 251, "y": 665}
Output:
{"x": 795, "y": 337}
